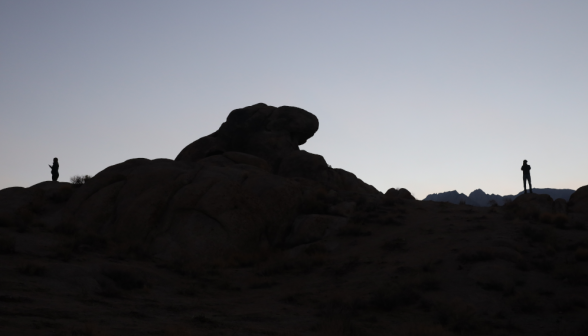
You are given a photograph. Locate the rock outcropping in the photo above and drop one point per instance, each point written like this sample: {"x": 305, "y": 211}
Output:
{"x": 244, "y": 188}
{"x": 274, "y": 136}
{"x": 579, "y": 200}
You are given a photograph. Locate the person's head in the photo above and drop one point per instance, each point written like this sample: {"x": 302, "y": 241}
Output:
{"x": 54, "y": 159}
{"x": 525, "y": 161}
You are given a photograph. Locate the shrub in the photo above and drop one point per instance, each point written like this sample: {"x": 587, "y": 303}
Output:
{"x": 80, "y": 179}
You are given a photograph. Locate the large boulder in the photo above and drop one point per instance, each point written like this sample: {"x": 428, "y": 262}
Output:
{"x": 395, "y": 194}
{"x": 19, "y": 206}
{"x": 527, "y": 206}
{"x": 274, "y": 135}
{"x": 265, "y": 131}
{"x": 539, "y": 202}
{"x": 579, "y": 200}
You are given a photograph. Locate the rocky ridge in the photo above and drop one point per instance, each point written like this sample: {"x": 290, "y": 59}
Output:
{"x": 479, "y": 198}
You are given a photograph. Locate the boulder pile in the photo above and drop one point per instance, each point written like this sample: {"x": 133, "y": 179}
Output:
{"x": 244, "y": 188}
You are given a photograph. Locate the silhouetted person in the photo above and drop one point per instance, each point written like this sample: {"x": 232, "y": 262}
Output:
{"x": 526, "y": 176}
{"x": 54, "y": 170}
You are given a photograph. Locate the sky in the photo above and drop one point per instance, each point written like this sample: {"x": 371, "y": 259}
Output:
{"x": 431, "y": 96}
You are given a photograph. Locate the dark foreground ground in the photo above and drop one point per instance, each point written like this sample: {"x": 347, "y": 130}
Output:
{"x": 409, "y": 268}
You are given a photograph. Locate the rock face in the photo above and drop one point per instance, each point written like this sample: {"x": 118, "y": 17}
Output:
{"x": 264, "y": 131}
{"x": 242, "y": 189}
{"x": 273, "y": 135}
{"x": 19, "y": 206}
{"x": 534, "y": 203}
{"x": 170, "y": 209}
{"x": 579, "y": 200}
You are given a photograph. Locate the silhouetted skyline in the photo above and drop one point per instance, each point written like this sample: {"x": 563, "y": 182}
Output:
{"x": 429, "y": 96}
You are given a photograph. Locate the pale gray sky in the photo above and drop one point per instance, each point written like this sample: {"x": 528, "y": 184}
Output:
{"x": 427, "y": 95}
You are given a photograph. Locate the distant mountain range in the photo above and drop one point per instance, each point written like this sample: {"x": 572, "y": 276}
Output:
{"x": 479, "y": 198}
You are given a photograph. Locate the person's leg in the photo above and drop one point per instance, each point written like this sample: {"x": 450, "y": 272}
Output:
{"x": 530, "y": 186}
{"x": 54, "y": 177}
{"x": 525, "y": 183}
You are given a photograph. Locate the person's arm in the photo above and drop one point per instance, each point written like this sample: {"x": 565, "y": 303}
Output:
{"x": 50, "y": 166}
